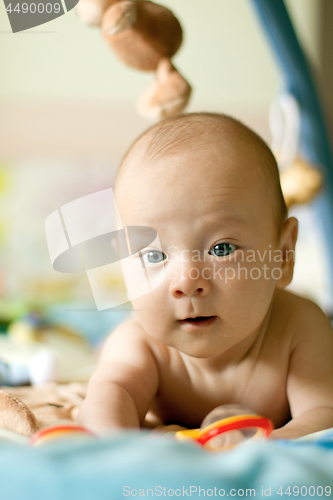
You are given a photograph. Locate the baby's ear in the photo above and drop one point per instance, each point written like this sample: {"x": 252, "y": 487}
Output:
{"x": 287, "y": 246}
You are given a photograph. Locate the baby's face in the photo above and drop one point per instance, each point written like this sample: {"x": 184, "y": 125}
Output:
{"x": 219, "y": 240}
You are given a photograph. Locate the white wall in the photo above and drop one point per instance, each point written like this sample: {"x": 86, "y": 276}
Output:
{"x": 223, "y": 55}
{"x": 60, "y": 79}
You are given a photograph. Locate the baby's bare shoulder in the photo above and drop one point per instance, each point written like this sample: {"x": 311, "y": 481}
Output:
{"x": 126, "y": 371}
{"x": 130, "y": 343}
{"x": 128, "y": 360}
{"x": 296, "y": 310}
{"x": 310, "y": 369}
{"x": 127, "y": 333}
{"x": 301, "y": 317}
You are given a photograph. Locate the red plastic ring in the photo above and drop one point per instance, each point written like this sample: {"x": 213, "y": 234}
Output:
{"x": 262, "y": 423}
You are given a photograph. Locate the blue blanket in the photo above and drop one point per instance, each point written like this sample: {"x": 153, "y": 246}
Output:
{"x": 131, "y": 465}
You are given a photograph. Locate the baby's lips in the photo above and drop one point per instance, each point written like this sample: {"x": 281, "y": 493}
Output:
{"x": 201, "y": 316}
{"x": 198, "y": 322}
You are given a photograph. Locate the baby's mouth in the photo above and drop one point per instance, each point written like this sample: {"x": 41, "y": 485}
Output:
{"x": 198, "y": 321}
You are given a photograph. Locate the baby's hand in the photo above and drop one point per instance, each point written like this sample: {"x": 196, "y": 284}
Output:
{"x": 231, "y": 438}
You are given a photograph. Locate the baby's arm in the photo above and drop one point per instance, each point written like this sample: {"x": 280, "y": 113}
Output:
{"x": 125, "y": 381}
{"x": 310, "y": 378}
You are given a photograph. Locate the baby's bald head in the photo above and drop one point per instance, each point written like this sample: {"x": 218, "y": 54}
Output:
{"x": 201, "y": 132}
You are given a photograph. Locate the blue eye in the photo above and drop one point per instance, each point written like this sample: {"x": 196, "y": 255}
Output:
{"x": 222, "y": 249}
{"x": 154, "y": 256}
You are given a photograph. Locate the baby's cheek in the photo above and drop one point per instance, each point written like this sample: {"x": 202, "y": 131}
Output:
{"x": 151, "y": 310}
{"x": 251, "y": 290}
{"x": 259, "y": 273}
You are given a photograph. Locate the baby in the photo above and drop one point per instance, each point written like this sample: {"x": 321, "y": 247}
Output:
{"x": 220, "y": 328}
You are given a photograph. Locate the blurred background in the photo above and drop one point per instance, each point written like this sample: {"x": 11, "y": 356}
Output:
{"x": 68, "y": 115}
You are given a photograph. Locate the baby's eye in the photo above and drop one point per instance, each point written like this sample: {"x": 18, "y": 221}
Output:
{"x": 222, "y": 249}
{"x": 154, "y": 256}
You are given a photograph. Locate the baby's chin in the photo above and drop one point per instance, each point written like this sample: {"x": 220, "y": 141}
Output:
{"x": 194, "y": 348}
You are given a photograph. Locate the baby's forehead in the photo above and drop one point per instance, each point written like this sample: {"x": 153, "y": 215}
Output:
{"x": 192, "y": 177}
{"x": 211, "y": 149}
{"x": 190, "y": 181}
{"x": 207, "y": 135}
{"x": 214, "y": 162}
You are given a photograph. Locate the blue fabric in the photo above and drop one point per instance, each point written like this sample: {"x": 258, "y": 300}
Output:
{"x": 297, "y": 79}
{"x": 101, "y": 469}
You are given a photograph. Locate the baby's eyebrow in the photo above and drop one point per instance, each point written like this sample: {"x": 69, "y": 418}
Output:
{"x": 219, "y": 216}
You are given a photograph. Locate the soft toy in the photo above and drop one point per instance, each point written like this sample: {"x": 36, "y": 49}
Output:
{"x": 25, "y": 410}
{"x": 144, "y": 35}
{"x": 16, "y": 416}
{"x": 300, "y": 180}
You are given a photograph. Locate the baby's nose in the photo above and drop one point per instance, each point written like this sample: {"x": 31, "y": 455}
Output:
{"x": 189, "y": 281}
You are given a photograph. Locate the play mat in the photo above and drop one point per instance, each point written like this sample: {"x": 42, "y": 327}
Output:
{"x": 148, "y": 465}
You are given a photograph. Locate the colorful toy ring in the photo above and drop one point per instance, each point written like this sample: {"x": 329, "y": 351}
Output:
{"x": 59, "y": 432}
{"x": 263, "y": 425}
